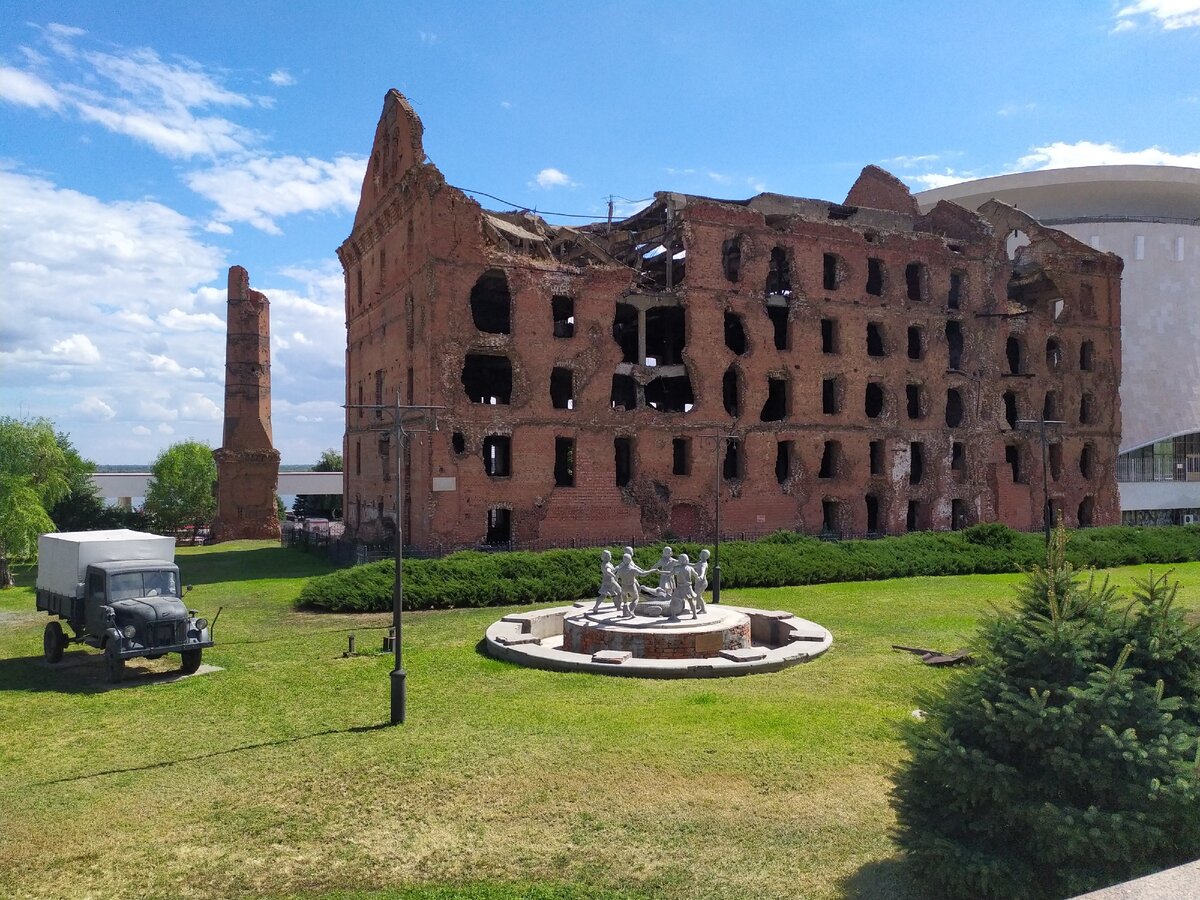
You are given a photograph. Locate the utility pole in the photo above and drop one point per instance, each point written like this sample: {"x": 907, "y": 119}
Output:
{"x": 1041, "y": 423}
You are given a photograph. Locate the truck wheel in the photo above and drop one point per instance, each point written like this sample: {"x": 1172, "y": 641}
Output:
{"x": 114, "y": 664}
{"x": 191, "y": 661}
{"x": 53, "y": 642}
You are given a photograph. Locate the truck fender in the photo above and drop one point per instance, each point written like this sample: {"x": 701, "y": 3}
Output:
{"x": 111, "y": 635}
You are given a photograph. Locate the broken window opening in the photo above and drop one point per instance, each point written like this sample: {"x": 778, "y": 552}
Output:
{"x": 1010, "y": 409}
{"x": 829, "y": 336}
{"x": 783, "y": 461}
{"x": 562, "y": 308}
{"x": 673, "y": 395}
{"x": 872, "y": 503}
{"x": 954, "y": 408}
{"x": 875, "y": 456}
{"x": 487, "y": 379}
{"x": 875, "y": 346}
{"x": 779, "y": 274}
{"x": 916, "y": 462}
{"x": 665, "y": 335}
{"x": 1050, "y": 409}
{"x": 915, "y": 517}
{"x": 379, "y": 393}
{"x": 832, "y": 269}
{"x": 954, "y": 296}
{"x": 358, "y": 457}
{"x": 1085, "y": 409}
{"x": 779, "y": 321}
{"x": 564, "y": 462}
{"x": 958, "y": 514}
{"x": 916, "y": 342}
{"x": 915, "y": 401}
{"x": 625, "y": 332}
{"x": 491, "y": 302}
{"x": 914, "y": 280}
{"x": 958, "y": 457}
{"x": 874, "y": 276}
{"x": 1012, "y": 456}
{"x": 831, "y": 401}
{"x": 731, "y": 392}
{"x": 458, "y": 443}
{"x": 1086, "y": 461}
{"x": 499, "y": 525}
{"x": 681, "y": 456}
{"x": 360, "y": 285}
{"x": 873, "y": 401}
{"x": 1015, "y": 241}
{"x": 829, "y": 517}
{"x": 497, "y": 455}
{"x": 954, "y": 344}
{"x": 623, "y": 460}
{"x": 1087, "y": 510}
{"x": 731, "y": 258}
{"x": 1086, "y": 353}
{"x": 735, "y": 333}
{"x": 1053, "y": 354}
{"x": 1012, "y": 351}
{"x": 562, "y": 388}
{"x": 731, "y": 467}
{"x": 1055, "y": 455}
{"x": 775, "y": 409}
{"x": 624, "y": 393}
{"x": 830, "y": 458}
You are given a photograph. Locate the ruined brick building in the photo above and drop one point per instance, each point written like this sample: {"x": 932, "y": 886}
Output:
{"x": 852, "y": 367}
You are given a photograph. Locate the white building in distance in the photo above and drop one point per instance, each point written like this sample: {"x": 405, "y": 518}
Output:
{"x": 1150, "y": 217}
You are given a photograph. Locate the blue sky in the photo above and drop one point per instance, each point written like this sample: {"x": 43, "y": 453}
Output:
{"x": 146, "y": 147}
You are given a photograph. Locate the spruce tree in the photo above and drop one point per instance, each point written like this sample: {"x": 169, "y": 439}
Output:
{"x": 1065, "y": 760}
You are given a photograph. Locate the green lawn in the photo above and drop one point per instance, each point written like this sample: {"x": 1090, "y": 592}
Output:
{"x": 277, "y": 777}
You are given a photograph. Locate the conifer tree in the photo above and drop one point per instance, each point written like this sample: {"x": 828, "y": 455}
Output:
{"x": 1067, "y": 759}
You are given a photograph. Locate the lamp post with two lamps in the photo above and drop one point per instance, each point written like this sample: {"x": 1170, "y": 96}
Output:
{"x": 417, "y": 415}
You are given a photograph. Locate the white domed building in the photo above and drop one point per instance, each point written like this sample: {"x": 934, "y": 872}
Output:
{"x": 1150, "y": 217}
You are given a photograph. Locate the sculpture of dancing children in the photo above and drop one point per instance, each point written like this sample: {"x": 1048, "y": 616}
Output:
{"x": 702, "y": 580}
{"x": 683, "y": 593}
{"x": 666, "y": 570}
{"x": 608, "y": 583}
{"x": 627, "y": 577}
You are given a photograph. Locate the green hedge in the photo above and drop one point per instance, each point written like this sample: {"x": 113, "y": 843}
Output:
{"x": 474, "y": 579}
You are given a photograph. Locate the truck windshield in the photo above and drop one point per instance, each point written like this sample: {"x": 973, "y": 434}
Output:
{"x": 142, "y": 584}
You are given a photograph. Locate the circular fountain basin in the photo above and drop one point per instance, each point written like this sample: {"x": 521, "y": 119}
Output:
{"x": 725, "y": 640}
{"x": 655, "y": 637}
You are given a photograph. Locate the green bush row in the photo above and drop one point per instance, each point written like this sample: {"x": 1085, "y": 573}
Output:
{"x": 474, "y": 579}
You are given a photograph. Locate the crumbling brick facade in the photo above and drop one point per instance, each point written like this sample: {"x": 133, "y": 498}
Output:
{"x": 852, "y": 368}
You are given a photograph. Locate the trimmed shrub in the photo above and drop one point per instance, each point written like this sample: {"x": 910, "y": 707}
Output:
{"x": 1066, "y": 760}
{"x": 475, "y": 579}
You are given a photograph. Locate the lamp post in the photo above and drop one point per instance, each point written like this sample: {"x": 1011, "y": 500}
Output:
{"x": 1042, "y": 423}
{"x": 718, "y": 439}
{"x": 426, "y": 415}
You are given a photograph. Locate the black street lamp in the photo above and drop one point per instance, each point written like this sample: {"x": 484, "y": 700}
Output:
{"x": 1042, "y": 423}
{"x": 719, "y": 440}
{"x": 427, "y": 416}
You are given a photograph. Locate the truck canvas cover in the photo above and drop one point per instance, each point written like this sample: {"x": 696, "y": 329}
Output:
{"x": 63, "y": 557}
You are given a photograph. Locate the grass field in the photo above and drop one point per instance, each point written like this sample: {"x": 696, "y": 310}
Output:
{"x": 277, "y": 776}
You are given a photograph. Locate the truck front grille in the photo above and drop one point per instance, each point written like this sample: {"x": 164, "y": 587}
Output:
{"x": 163, "y": 634}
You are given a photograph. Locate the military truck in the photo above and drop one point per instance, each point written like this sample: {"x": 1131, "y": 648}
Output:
{"x": 119, "y": 591}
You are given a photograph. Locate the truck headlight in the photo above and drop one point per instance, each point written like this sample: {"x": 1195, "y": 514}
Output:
{"x": 129, "y": 631}
{"x": 201, "y": 624}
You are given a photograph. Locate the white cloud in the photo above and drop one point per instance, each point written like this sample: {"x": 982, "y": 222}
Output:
{"x": 59, "y": 376}
{"x": 505, "y": 104}
{"x": 1061, "y": 155}
{"x": 427, "y": 37}
{"x": 197, "y": 407}
{"x": 78, "y": 348}
{"x": 164, "y": 365}
{"x": 141, "y": 430}
{"x": 1014, "y": 109}
{"x": 1169, "y": 15}
{"x": 93, "y": 408}
{"x": 178, "y": 320}
{"x": 908, "y": 162}
{"x": 258, "y": 190}
{"x": 931, "y": 180}
{"x": 281, "y": 78}
{"x": 165, "y": 429}
{"x": 26, "y": 89}
{"x": 552, "y": 178}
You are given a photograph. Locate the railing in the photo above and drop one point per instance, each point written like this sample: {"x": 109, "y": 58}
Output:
{"x": 1150, "y": 468}
{"x": 1079, "y": 220}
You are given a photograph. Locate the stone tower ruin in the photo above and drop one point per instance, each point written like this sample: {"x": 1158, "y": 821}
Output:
{"x": 247, "y": 462}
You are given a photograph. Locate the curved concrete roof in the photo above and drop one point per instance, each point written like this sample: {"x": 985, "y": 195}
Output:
{"x": 1101, "y": 191}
